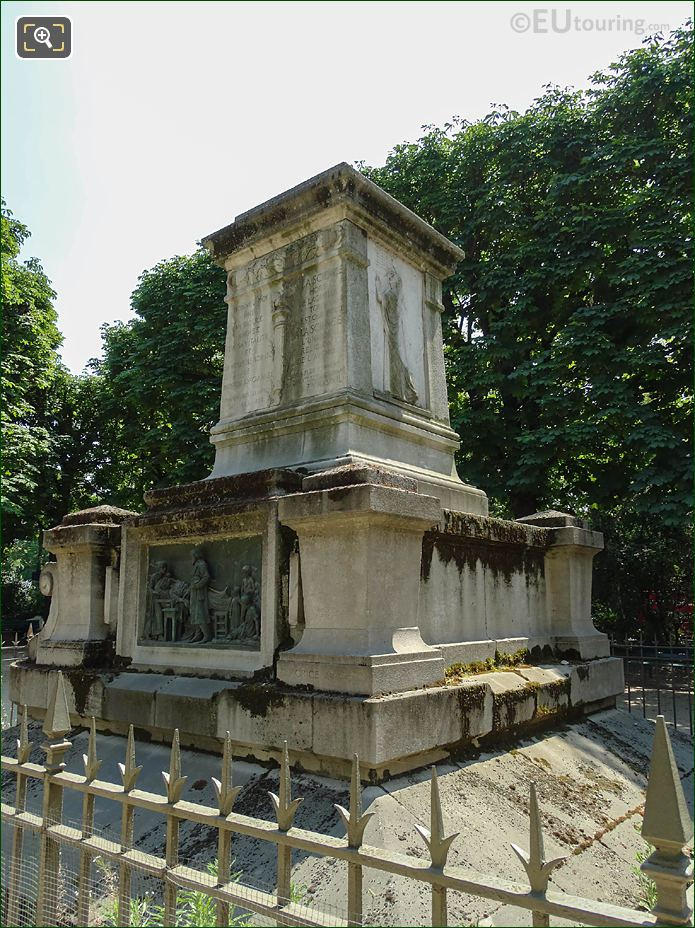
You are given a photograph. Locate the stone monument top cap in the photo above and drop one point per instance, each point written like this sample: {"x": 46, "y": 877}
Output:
{"x": 339, "y": 185}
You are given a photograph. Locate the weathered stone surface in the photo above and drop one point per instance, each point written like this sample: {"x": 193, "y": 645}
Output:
{"x": 98, "y": 515}
{"x": 131, "y": 697}
{"x": 596, "y": 680}
{"x": 391, "y": 734}
{"x": 203, "y": 493}
{"x": 260, "y": 718}
{"x": 352, "y": 474}
{"x": 360, "y": 551}
{"x": 302, "y": 558}
{"x": 552, "y": 518}
{"x": 228, "y": 541}
{"x": 489, "y": 584}
{"x": 334, "y": 345}
{"x": 86, "y": 545}
{"x": 189, "y": 704}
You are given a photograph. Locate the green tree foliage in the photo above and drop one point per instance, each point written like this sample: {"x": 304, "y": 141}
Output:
{"x": 30, "y": 342}
{"x": 160, "y": 378}
{"x": 30, "y": 368}
{"x": 567, "y": 323}
{"x": 49, "y": 424}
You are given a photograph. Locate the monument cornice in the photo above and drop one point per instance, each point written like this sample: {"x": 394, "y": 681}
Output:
{"x": 339, "y": 186}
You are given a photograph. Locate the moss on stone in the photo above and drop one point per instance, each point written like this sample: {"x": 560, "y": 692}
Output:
{"x": 501, "y": 661}
{"x": 258, "y": 698}
{"x": 503, "y": 547}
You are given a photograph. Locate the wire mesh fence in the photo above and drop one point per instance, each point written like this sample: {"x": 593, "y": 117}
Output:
{"x": 145, "y": 907}
{"x": 10, "y": 652}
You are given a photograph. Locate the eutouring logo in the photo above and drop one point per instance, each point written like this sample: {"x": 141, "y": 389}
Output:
{"x": 559, "y": 21}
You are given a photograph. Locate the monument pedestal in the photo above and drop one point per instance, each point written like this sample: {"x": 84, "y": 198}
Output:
{"x": 391, "y": 734}
{"x": 361, "y": 547}
{"x": 334, "y": 337}
{"x": 317, "y": 585}
{"x": 83, "y": 585}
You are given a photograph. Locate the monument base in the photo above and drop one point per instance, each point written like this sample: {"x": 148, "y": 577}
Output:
{"x": 361, "y": 673}
{"x": 391, "y": 734}
{"x": 349, "y": 430}
{"x": 60, "y": 653}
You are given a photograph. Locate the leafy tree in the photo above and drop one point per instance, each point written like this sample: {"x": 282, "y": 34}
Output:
{"x": 160, "y": 378}
{"x": 30, "y": 342}
{"x": 567, "y": 323}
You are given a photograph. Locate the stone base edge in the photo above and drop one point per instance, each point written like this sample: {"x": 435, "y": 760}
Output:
{"x": 391, "y": 734}
{"x": 370, "y": 675}
{"x": 548, "y": 648}
{"x": 62, "y": 653}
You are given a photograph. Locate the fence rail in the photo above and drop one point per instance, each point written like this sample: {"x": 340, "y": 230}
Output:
{"x": 658, "y": 678}
{"x": 667, "y": 826}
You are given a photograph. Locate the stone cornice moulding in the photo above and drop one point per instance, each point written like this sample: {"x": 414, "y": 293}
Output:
{"x": 339, "y": 192}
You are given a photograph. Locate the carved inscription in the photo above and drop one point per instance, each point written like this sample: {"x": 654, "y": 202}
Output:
{"x": 314, "y": 339}
{"x": 248, "y": 379}
{"x": 286, "y": 339}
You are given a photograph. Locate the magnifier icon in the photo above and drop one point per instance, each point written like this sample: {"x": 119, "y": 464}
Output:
{"x": 43, "y": 36}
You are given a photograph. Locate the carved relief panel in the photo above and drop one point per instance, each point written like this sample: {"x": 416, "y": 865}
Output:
{"x": 204, "y": 596}
{"x": 396, "y": 303}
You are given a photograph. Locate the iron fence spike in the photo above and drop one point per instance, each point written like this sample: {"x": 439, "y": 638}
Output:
{"x": 354, "y": 821}
{"x": 90, "y": 760}
{"x": 225, "y": 792}
{"x": 23, "y": 746}
{"x": 173, "y": 780}
{"x": 437, "y": 843}
{"x": 537, "y": 868}
{"x": 129, "y": 771}
{"x": 666, "y": 819}
{"x": 57, "y": 721}
{"x": 285, "y": 807}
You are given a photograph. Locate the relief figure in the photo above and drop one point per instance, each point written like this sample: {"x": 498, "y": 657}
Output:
{"x": 193, "y": 612}
{"x": 246, "y": 610}
{"x": 388, "y": 295}
{"x": 165, "y": 592}
{"x": 199, "y": 609}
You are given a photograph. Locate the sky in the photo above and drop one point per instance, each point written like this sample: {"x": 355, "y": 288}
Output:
{"x": 169, "y": 119}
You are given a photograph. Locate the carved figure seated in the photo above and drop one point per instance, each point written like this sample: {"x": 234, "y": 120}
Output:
{"x": 244, "y": 614}
{"x": 157, "y": 598}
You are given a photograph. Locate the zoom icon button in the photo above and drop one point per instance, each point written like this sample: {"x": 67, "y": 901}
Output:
{"x": 44, "y": 37}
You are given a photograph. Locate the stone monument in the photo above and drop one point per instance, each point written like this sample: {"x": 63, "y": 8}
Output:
{"x": 319, "y": 582}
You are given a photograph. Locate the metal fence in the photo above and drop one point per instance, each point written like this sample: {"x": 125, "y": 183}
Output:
{"x": 658, "y": 679}
{"x": 666, "y": 826}
{"x": 10, "y": 652}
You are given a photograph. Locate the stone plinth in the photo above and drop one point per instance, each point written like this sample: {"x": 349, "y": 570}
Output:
{"x": 83, "y": 585}
{"x": 360, "y": 550}
{"x": 568, "y": 573}
{"x": 492, "y": 585}
{"x": 334, "y": 339}
{"x": 227, "y": 532}
{"x": 392, "y": 734}
{"x": 333, "y": 553}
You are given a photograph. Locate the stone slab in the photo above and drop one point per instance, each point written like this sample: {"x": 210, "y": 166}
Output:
{"x": 391, "y": 734}
{"x": 369, "y": 674}
{"x": 605, "y": 678}
{"x": 189, "y": 703}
